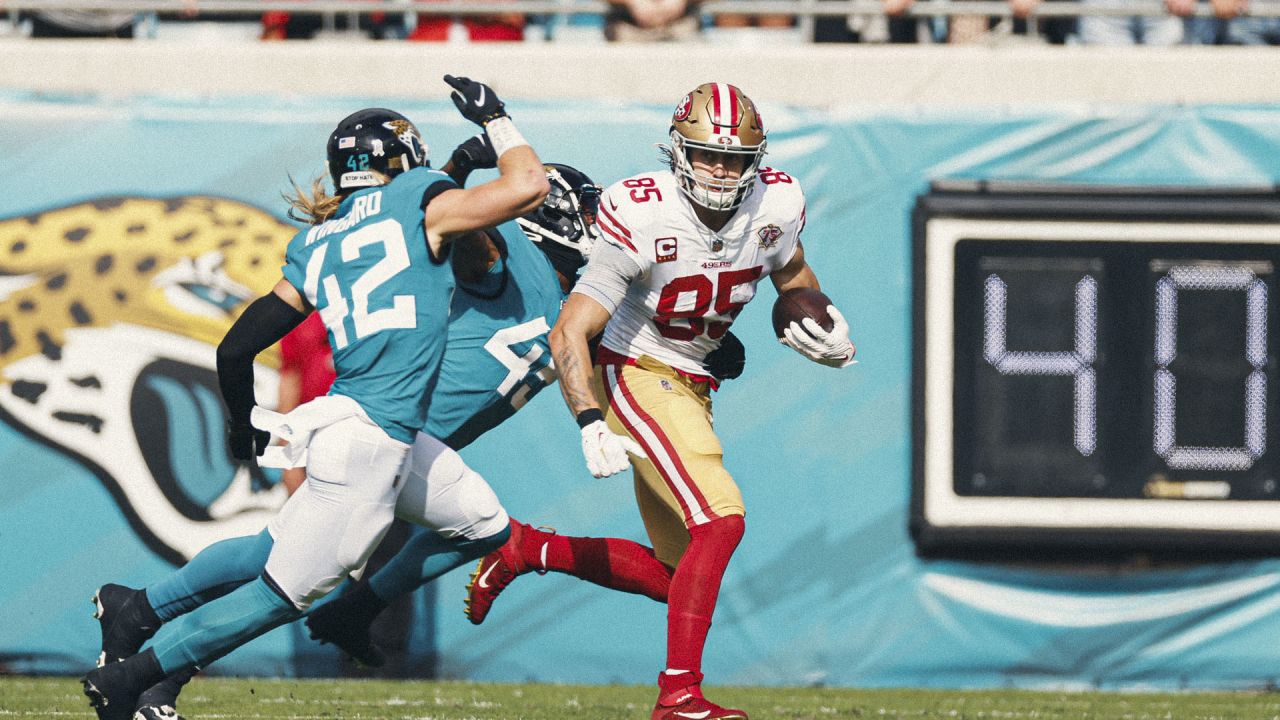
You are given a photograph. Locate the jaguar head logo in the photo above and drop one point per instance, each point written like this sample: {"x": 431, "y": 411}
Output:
{"x": 110, "y": 313}
{"x": 409, "y": 136}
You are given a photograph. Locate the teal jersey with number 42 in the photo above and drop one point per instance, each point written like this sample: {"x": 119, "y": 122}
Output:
{"x": 383, "y": 299}
{"x": 498, "y": 356}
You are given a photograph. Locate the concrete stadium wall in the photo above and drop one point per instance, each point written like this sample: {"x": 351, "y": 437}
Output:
{"x": 842, "y": 76}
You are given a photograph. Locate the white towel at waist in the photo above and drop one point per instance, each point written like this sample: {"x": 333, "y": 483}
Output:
{"x": 297, "y": 426}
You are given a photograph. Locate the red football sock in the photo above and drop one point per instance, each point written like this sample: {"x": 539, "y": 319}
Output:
{"x": 695, "y": 586}
{"x": 610, "y": 562}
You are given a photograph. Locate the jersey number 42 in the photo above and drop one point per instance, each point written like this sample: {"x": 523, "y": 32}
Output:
{"x": 403, "y": 312}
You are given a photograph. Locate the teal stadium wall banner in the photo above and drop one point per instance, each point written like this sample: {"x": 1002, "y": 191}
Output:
{"x": 134, "y": 229}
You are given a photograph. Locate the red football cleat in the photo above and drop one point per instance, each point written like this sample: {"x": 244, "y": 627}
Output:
{"x": 494, "y": 573}
{"x": 687, "y": 705}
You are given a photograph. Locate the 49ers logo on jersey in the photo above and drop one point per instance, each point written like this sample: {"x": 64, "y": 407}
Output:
{"x": 664, "y": 249}
{"x": 682, "y": 110}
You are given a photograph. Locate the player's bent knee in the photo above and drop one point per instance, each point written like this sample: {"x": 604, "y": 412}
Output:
{"x": 481, "y": 513}
{"x": 727, "y": 529}
{"x": 475, "y": 511}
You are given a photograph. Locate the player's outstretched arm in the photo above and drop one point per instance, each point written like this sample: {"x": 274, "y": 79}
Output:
{"x": 825, "y": 347}
{"x": 519, "y": 188}
{"x": 582, "y": 318}
{"x": 260, "y": 326}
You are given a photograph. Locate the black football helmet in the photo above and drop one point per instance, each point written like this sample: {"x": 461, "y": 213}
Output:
{"x": 372, "y": 141}
{"x": 564, "y": 225}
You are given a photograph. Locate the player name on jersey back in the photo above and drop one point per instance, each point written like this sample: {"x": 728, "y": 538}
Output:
{"x": 362, "y": 208}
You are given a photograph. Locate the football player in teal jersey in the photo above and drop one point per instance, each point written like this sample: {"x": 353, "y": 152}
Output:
{"x": 375, "y": 264}
{"x": 510, "y": 285}
{"x": 497, "y": 339}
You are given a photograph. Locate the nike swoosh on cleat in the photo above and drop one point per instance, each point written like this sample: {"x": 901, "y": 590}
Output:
{"x": 481, "y": 581}
{"x": 693, "y": 716}
{"x": 480, "y": 102}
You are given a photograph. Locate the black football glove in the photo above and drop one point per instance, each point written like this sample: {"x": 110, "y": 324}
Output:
{"x": 726, "y": 362}
{"x": 476, "y": 101}
{"x": 246, "y": 441}
{"x": 476, "y": 153}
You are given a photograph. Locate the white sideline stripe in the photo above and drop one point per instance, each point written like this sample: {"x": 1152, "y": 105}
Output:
{"x": 1063, "y": 609}
{"x": 657, "y": 451}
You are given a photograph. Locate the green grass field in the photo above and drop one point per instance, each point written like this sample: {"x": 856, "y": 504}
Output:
{"x": 260, "y": 699}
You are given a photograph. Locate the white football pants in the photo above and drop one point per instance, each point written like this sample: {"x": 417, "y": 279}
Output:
{"x": 331, "y": 525}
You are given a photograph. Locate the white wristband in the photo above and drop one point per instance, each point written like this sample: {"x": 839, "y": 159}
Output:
{"x": 504, "y": 135}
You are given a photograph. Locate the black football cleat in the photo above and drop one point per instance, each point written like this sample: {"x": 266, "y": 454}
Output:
{"x": 161, "y": 700}
{"x": 113, "y": 689}
{"x": 345, "y": 621}
{"x": 126, "y": 620}
{"x": 109, "y": 693}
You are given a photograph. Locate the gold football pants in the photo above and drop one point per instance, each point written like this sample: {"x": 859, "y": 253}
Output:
{"x": 683, "y": 483}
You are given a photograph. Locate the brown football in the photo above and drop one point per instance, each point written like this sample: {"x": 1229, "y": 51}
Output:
{"x": 797, "y": 304}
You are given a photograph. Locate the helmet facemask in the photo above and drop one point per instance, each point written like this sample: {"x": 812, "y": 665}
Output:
{"x": 564, "y": 225}
{"x": 710, "y": 192}
{"x": 717, "y": 118}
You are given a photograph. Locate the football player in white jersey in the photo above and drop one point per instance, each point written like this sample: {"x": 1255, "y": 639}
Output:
{"x": 684, "y": 251}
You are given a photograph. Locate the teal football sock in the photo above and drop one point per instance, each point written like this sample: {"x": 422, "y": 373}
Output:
{"x": 213, "y": 630}
{"x": 427, "y": 556}
{"x": 212, "y": 573}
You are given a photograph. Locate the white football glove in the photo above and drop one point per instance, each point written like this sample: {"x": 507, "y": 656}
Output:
{"x": 605, "y": 451}
{"x": 832, "y": 349}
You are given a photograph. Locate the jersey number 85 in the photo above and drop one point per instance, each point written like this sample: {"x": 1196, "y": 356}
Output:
{"x": 707, "y": 297}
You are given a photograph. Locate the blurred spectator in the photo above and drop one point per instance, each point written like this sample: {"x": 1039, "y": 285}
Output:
{"x": 651, "y": 20}
{"x": 305, "y": 26}
{"x": 507, "y": 27}
{"x": 1022, "y": 27}
{"x": 1136, "y": 30}
{"x": 735, "y": 21}
{"x": 306, "y": 372}
{"x": 1227, "y": 27}
{"x": 898, "y": 26}
{"x": 81, "y": 23}
{"x": 894, "y": 26}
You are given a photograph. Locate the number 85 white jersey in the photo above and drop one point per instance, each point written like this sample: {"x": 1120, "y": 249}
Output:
{"x": 692, "y": 282}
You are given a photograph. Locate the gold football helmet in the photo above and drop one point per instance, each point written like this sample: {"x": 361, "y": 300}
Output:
{"x": 717, "y": 117}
